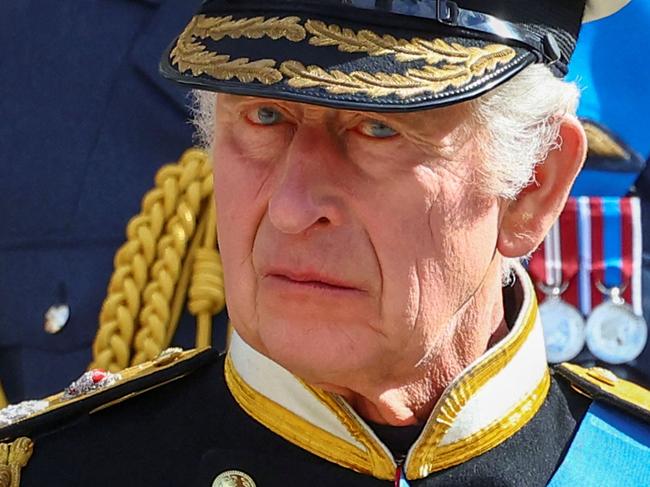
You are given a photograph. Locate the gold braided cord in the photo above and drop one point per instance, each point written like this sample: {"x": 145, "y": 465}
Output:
{"x": 178, "y": 302}
{"x": 155, "y": 317}
{"x": 3, "y": 398}
{"x": 206, "y": 295}
{"x": 148, "y": 233}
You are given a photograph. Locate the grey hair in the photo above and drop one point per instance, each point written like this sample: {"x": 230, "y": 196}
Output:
{"x": 516, "y": 125}
{"x": 203, "y": 109}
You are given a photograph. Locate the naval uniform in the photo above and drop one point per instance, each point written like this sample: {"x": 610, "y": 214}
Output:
{"x": 197, "y": 418}
{"x": 507, "y": 420}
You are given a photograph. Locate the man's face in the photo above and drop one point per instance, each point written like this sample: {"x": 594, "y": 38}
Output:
{"x": 350, "y": 240}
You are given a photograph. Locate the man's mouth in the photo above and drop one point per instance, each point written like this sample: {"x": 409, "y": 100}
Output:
{"x": 311, "y": 281}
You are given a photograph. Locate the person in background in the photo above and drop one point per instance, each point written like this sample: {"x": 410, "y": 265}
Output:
{"x": 86, "y": 123}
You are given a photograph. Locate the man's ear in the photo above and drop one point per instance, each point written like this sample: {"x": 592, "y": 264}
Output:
{"x": 526, "y": 220}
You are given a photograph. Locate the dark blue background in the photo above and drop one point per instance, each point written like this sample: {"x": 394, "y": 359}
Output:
{"x": 85, "y": 123}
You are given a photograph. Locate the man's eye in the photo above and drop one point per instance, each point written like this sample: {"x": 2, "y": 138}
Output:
{"x": 265, "y": 116}
{"x": 376, "y": 129}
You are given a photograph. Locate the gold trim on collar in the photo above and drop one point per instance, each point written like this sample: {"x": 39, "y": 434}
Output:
{"x": 306, "y": 435}
{"x": 447, "y": 456}
{"x": 427, "y": 455}
{"x": 382, "y": 463}
{"x": 422, "y": 460}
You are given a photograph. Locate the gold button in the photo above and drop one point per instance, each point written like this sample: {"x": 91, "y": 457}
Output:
{"x": 233, "y": 478}
{"x": 603, "y": 375}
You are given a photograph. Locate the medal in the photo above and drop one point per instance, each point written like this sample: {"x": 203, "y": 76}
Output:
{"x": 554, "y": 268}
{"x": 614, "y": 333}
{"x": 596, "y": 240}
{"x": 564, "y": 328}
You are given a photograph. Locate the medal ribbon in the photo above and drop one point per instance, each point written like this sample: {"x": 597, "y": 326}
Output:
{"x": 600, "y": 240}
{"x": 584, "y": 237}
{"x": 616, "y": 248}
{"x": 568, "y": 223}
{"x": 632, "y": 251}
{"x": 556, "y": 262}
{"x": 613, "y": 245}
{"x": 400, "y": 480}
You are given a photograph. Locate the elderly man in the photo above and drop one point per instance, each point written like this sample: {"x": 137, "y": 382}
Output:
{"x": 380, "y": 167}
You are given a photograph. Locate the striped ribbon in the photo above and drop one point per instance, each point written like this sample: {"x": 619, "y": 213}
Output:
{"x": 556, "y": 262}
{"x": 600, "y": 240}
{"x": 400, "y": 480}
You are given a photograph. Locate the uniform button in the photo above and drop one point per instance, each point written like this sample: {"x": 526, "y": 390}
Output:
{"x": 56, "y": 318}
{"x": 603, "y": 375}
{"x": 233, "y": 478}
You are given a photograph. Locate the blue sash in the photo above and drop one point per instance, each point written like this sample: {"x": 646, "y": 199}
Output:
{"x": 611, "y": 448}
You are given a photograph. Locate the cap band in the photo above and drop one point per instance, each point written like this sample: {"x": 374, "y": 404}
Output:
{"x": 449, "y": 13}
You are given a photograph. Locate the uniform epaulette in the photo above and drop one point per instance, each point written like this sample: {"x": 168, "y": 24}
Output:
{"x": 605, "y": 386}
{"x": 601, "y": 142}
{"x": 96, "y": 390}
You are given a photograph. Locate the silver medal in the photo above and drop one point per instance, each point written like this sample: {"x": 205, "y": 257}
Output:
{"x": 563, "y": 325}
{"x": 614, "y": 333}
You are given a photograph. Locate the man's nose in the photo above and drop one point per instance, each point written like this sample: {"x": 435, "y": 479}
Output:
{"x": 308, "y": 192}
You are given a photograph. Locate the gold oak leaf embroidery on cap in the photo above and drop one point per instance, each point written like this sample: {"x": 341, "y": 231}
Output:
{"x": 216, "y": 28}
{"x": 447, "y": 64}
{"x": 338, "y": 82}
{"x": 189, "y": 54}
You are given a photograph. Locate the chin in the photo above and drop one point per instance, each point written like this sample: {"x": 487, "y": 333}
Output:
{"x": 315, "y": 352}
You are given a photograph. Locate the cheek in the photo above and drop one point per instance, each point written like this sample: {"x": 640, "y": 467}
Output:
{"x": 237, "y": 184}
{"x": 434, "y": 244}
{"x": 463, "y": 228}
{"x": 397, "y": 219}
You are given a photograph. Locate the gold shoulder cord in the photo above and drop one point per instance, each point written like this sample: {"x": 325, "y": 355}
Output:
{"x": 13, "y": 457}
{"x": 153, "y": 268}
{"x": 206, "y": 293}
{"x": 195, "y": 184}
